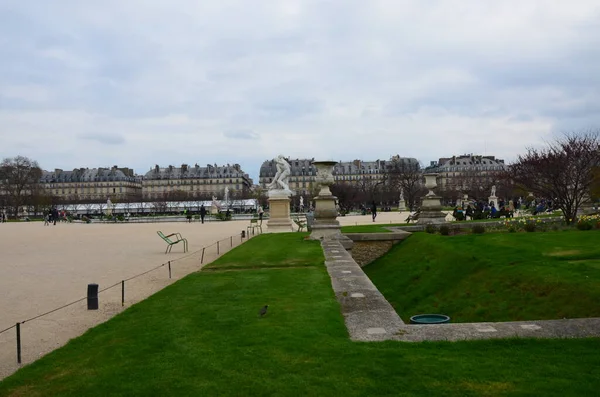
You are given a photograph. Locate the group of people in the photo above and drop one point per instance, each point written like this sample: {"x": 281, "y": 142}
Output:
{"x": 484, "y": 209}
{"x": 52, "y": 216}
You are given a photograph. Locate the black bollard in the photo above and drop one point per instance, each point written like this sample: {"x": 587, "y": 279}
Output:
{"x": 92, "y": 297}
{"x": 243, "y": 234}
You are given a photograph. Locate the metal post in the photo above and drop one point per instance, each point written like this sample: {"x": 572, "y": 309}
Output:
{"x": 169, "y": 269}
{"x": 19, "y": 343}
{"x": 202, "y": 259}
{"x": 122, "y": 292}
{"x": 217, "y": 248}
{"x": 231, "y": 241}
{"x": 92, "y": 297}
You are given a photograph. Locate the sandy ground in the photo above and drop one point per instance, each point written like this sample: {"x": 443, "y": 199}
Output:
{"x": 45, "y": 267}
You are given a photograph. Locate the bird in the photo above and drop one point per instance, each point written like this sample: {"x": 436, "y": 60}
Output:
{"x": 263, "y": 310}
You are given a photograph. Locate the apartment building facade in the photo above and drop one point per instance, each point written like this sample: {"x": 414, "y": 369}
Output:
{"x": 195, "y": 181}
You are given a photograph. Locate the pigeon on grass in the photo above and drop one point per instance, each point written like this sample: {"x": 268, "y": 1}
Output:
{"x": 263, "y": 310}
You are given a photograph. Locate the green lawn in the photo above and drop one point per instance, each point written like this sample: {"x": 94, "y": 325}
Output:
{"x": 375, "y": 228}
{"x": 493, "y": 277}
{"x": 267, "y": 250}
{"x": 202, "y": 337}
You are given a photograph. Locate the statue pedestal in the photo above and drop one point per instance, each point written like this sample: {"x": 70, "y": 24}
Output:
{"x": 431, "y": 211}
{"x": 279, "y": 212}
{"x": 214, "y": 209}
{"x": 493, "y": 199}
{"x": 401, "y": 205}
{"x": 325, "y": 225}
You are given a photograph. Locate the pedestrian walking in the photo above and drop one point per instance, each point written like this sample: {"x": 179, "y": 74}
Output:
{"x": 202, "y": 213}
{"x": 374, "y": 210}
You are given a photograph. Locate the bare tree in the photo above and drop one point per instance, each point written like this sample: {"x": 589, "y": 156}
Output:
{"x": 563, "y": 171}
{"x": 18, "y": 179}
{"x": 407, "y": 178}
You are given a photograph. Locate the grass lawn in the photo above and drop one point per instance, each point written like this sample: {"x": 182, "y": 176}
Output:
{"x": 375, "y": 228}
{"x": 268, "y": 250}
{"x": 202, "y": 337}
{"x": 493, "y": 277}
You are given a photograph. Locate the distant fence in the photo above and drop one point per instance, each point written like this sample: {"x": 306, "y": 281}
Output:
{"x": 205, "y": 255}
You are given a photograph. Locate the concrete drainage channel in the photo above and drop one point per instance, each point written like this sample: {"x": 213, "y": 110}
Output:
{"x": 370, "y": 317}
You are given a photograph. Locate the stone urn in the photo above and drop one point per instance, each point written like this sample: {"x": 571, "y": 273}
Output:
{"x": 430, "y": 183}
{"x": 324, "y": 176}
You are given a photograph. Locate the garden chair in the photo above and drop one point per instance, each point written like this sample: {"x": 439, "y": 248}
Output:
{"x": 171, "y": 242}
{"x": 255, "y": 224}
{"x": 300, "y": 223}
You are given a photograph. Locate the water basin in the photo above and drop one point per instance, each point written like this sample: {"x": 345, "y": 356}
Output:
{"x": 429, "y": 319}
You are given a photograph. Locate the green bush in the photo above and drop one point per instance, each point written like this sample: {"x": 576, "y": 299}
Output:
{"x": 588, "y": 222}
{"x": 444, "y": 230}
{"x": 478, "y": 229}
{"x": 430, "y": 229}
{"x": 530, "y": 227}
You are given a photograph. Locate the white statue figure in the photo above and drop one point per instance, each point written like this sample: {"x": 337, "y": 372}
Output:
{"x": 226, "y": 198}
{"x": 280, "y": 180}
{"x": 401, "y": 195}
{"x": 493, "y": 191}
{"x": 301, "y": 202}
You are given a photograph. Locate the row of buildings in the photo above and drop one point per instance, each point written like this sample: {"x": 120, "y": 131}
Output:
{"x": 122, "y": 184}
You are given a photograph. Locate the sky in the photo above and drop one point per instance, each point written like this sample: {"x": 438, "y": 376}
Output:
{"x": 136, "y": 83}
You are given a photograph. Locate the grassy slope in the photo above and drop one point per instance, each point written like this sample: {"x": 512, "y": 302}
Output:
{"x": 202, "y": 336}
{"x": 268, "y": 250}
{"x": 493, "y": 277}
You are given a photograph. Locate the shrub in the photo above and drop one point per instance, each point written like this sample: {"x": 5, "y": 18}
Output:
{"x": 478, "y": 229}
{"x": 430, "y": 229}
{"x": 512, "y": 229}
{"x": 588, "y": 222}
{"x": 530, "y": 227}
{"x": 444, "y": 230}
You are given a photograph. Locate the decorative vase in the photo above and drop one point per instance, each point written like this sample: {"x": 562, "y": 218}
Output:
{"x": 324, "y": 176}
{"x": 430, "y": 183}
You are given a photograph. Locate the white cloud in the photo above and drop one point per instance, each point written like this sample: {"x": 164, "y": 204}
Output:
{"x": 182, "y": 81}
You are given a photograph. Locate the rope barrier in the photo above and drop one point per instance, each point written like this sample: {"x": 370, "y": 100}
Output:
{"x": 7, "y": 329}
{"x": 112, "y": 286}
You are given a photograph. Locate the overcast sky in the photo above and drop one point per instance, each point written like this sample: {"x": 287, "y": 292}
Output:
{"x": 142, "y": 82}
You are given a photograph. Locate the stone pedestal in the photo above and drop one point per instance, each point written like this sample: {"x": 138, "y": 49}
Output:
{"x": 431, "y": 211}
{"x": 431, "y": 208}
{"x": 493, "y": 199}
{"x": 325, "y": 225}
{"x": 214, "y": 209}
{"x": 401, "y": 205}
{"x": 279, "y": 213}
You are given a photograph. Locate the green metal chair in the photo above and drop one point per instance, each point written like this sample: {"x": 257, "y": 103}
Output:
{"x": 171, "y": 242}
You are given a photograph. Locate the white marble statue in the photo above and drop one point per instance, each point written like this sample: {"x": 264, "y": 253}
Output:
{"x": 280, "y": 180}
{"x": 301, "y": 202}
{"x": 401, "y": 195}
{"x": 226, "y": 198}
{"x": 493, "y": 191}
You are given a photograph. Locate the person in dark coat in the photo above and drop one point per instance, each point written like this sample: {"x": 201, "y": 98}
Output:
{"x": 54, "y": 215}
{"x": 374, "y": 210}
{"x": 202, "y": 212}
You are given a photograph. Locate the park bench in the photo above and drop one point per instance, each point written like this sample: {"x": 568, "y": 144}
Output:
{"x": 171, "y": 242}
{"x": 300, "y": 223}
{"x": 255, "y": 224}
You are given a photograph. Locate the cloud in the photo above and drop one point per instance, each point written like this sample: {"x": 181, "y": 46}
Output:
{"x": 241, "y": 134}
{"x": 104, "y": 138}
{"x": 337, "y": 79}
